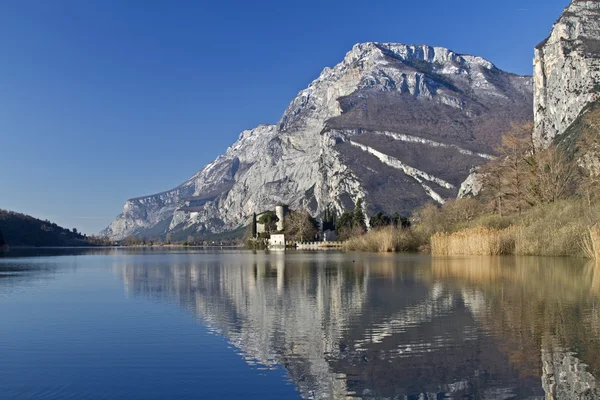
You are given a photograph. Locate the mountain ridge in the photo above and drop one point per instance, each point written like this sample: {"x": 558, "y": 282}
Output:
{"x": 427, "y": 96}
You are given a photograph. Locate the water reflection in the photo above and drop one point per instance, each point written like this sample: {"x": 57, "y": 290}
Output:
{"x": 545, "y": 311}
{"x": 352, "y": 326}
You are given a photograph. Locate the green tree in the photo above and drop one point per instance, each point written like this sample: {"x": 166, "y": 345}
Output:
{"x": 343, "y": 225}
{"x": 253, "y": 229}
{"x": 380, "y": 220}
{"x": 329, "y": 219}
{"x": 358, "y": 219}
{"x": 2, "y": 242}
{"x": 269, "y": 220}
{"x": 396, "y": 219}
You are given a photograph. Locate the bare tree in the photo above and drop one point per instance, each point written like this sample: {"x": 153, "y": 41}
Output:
{"x": 507, "y": 179}
{"x": 589, "y": 161}
{"x": 515, "y": 155}
{"x": 554, "y": 175}
{"x": 493, "y": 184}
{"x": 300, "y": 226}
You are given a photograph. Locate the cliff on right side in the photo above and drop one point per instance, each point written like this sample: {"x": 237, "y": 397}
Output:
{"x": 567, "y": 71}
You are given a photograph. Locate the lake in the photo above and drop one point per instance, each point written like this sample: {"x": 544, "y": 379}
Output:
{"x": 198, "y": 324}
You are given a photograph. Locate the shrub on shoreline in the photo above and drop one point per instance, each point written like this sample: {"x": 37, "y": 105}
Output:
{"x": 385, "y": 240}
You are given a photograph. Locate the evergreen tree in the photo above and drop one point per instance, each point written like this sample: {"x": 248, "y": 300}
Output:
{"x": 396, "y": 219}
{"x": 345, "y": 221}
{"x": 358, "y": 220}
{"x": 269, "y": 220}
{"x": 380, "y": 220}
{"x": 2, "y": 242}
{"x": 329, "y": 219}
{"x": 254, "y": 232}
{"x": 343, "y": 225}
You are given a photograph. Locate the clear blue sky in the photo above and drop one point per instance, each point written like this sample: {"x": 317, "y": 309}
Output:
{"x": 104, "y": 100}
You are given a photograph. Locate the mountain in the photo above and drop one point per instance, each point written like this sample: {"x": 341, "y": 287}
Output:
{"x": 23, "y": 230}
{"x": 567, "y": 71}
{"x": 399, "y": 125}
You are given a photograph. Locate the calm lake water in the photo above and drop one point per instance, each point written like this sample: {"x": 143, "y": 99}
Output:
{"x": 158, "y": 324}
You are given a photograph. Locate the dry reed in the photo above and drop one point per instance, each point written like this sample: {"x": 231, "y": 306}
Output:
{"x": 478, "y": 241}
{"x": 384, "y": 240}
{"x": 591, "y": 243}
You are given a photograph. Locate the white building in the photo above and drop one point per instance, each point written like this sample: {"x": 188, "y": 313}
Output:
{"x": 277, "y": 241}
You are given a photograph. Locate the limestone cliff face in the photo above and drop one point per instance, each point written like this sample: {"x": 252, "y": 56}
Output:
{"x": 399, "y": 125}
{"x": 567, "y": 70}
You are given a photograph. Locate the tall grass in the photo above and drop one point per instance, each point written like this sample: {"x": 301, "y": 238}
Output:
{"x": 385, "y": 240}
{"x": 556, "y": 229}
{"x": 591, "y": 243}
{"x": 478, "y": 241}
{"x": 565, "y": 228}
{"x": 569, "y": 227}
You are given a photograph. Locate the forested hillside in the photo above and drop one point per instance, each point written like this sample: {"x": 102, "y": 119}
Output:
{"x": 23, "y": 230}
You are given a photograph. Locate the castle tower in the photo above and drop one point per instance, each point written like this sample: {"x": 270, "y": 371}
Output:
{"x": 281, "y": 210}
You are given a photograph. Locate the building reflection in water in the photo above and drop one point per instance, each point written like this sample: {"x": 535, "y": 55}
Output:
{"x": 371, "y": 326}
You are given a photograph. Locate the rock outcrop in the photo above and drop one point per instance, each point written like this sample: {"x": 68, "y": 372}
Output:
{"x": 567, "y": 70}
{"x": 396, "y": 124}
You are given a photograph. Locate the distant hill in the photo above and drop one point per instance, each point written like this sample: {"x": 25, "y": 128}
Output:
{"x": 23, "y": 230}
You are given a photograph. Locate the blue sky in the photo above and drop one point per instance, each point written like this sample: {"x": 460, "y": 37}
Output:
{"x": 104, "y": 100}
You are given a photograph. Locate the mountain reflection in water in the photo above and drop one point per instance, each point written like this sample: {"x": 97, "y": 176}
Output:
{"x": 397, "y": 326}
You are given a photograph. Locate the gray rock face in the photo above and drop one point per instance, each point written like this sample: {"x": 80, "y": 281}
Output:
{"x": 567, "y": 70}
{"x": 472, "y": 186}
{"x": 398, "y": 125}
{"x": 566, "y": 377}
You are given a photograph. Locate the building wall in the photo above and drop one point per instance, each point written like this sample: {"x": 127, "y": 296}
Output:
{"x": 277, "y": 240}
{"x": 260, "y": 228}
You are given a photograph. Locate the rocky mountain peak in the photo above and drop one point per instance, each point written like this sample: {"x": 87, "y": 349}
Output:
{"x": 420, "y": 70}
{"x": 397, "y": 125}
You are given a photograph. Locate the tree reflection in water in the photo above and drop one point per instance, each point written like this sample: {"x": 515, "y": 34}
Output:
{"x": 397, "y": 326}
